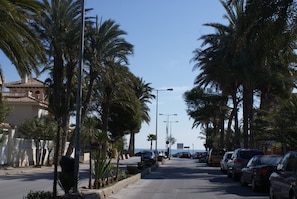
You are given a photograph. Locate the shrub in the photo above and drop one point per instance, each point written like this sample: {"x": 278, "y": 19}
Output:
{"x": 39, "y": 195}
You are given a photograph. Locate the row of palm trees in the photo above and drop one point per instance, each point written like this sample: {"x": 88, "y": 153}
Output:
{"x": 248, "y": 65}
{"x": 43, "y": 36}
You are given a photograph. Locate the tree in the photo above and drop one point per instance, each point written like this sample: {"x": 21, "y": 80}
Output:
{"x": 105, "y": 48}
{"x": 38, "y": 129}
{"x": 144, "y": 94}
{"x": 279, "y": 124}
{"x": 151, "y": 138}
{"x": 204, "y": 108}
{"x": 239, "y": 51}
{"x": 18, "y": 40}
{"x": 59, "y": 27}
{"x": 90, "y": 127}
{"x": 4, "y": 112}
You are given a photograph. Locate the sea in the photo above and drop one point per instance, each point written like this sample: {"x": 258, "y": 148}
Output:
{"x": 173, "y": 151}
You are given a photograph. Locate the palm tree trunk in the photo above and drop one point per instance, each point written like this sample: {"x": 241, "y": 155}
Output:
{"x": 56, "y": 160}
{"x": 247, "y": 116}
{"x": 131, "y": 144}
{"x": 90, "y": 162}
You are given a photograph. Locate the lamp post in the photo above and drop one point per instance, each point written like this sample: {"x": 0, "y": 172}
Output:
{"x": 79, "y": 97}
{"x": 157, "y": 96}
{"x": 167, "y": 127}
{"x": 170, "y": 137}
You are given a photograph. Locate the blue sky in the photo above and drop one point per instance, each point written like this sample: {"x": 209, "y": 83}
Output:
{"x": 164, "y": 34}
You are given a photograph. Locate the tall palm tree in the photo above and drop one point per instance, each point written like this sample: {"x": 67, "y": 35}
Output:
{"x": 105, "y": 47}
{"x": 151, "y": 138}
{"x": 216, "y": 64}
{"x": 59, "y": 27}
{"x": 144, "y": 94}
{"x": 18, "y": 40}
{"x": 239, "y": 51}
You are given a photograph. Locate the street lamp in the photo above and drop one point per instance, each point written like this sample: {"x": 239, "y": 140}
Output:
{"x": 167, "y": 126}
{"x": 157, "y": 96}
{"x": 79, "y": 97}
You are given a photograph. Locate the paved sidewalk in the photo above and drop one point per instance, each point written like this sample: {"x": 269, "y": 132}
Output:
{"x": 8, "y": 170}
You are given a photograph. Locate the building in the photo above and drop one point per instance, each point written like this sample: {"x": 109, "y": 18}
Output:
{"x": 26, "y": 98}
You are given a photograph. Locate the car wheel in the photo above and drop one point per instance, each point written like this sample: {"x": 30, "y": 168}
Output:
{"x": 271, "y": 194}
{"x": 234, "y": 177}
{"x": 254, "y": 185}
{"x": 229, "y": 175}
{"x": 242, "y": 182}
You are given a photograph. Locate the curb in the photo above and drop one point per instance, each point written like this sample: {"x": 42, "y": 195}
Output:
{"x": 105, "y": 192}
{"x": 13, "y": 171}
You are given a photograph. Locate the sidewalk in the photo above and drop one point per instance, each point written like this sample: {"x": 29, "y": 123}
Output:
{"x": 8, "y": 170}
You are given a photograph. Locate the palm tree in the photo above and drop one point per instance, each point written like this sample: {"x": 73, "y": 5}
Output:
{"x": 151, "y": 138}
{"x": 144, "y": 94}
{"x": 239, "y": 51}
{"x": 105, "y": 47}
{"x": 217, "y": 68}
{"x": 18, "y": 40}
{"x": 59, "y": 27}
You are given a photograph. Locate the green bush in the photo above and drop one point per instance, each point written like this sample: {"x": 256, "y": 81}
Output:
{"x": 39, "y": 195}
{"x": 133, "y": 170}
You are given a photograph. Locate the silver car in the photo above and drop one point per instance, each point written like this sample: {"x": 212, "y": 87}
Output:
{"x": 224, "y": 161}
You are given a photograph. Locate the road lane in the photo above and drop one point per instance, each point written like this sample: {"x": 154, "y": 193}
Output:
{"x": 186, "y": 178}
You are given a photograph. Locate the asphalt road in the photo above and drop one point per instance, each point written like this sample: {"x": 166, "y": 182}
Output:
{"x": 186, "y": 178}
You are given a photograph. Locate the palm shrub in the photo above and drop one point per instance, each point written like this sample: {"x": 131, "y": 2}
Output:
{"x": 102, "y": 169}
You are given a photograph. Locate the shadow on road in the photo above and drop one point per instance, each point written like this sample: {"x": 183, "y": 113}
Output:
{"x": 201, "y": 171}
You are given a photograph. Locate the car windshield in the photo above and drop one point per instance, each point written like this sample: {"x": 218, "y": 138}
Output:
{"x": 269, "y": 160}
{"x": 147, "y": 153}
{"x": 249, "y": 154}
{"x": 229, "y": 155}
{"x": 215, "y": 152}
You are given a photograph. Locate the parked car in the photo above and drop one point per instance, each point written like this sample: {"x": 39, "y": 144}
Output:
{"x": 202, "y": 157}
{"x": 224, "y": 161}
{"x": 148, "y": 156}
{"x": 258, "y": 170}
{"x": 239, "y": 159}
{"x": 215, "y": 156}
{"x": 284, "y": 179}
{"x": 185, "y": 154}
{"x": 175, "y": 155}
{"x": 138, "y": 153}
{"x": 195, "y": 155}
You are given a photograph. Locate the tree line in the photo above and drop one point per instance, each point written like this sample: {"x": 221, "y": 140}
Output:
{"x": 243, "y": 93}
{"x": 42, "y": 36}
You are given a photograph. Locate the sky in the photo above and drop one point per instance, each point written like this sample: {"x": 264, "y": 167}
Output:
{"x": 164, "y": 34}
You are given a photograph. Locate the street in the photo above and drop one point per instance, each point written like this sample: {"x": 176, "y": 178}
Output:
{"x": 186, "y": 178}
{"x": 176, "y": 179}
